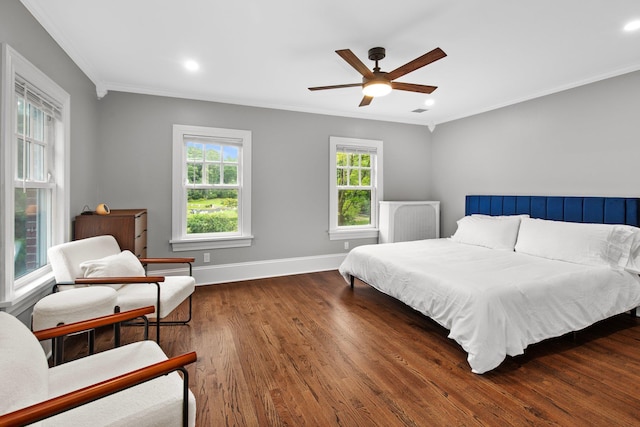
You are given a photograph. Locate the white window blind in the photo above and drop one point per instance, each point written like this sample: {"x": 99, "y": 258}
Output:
{"x": 37, "y": 98}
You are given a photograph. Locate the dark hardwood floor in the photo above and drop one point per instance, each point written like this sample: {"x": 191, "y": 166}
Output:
{"x": 308, "y": 350}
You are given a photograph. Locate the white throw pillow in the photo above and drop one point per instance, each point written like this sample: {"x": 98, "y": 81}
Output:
{"x": 495, "y": 232}
{"x": 502, "y": 216}
{"x": 581, "y": 243}
{"x": 627, "y": 234}
{"x": 124, "y": 264}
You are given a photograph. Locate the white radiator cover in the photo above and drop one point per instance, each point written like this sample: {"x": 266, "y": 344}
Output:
{"x": 404, "y": 221}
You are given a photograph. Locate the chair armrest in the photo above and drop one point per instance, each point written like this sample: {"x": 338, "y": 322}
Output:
{"x": 166, "y": 260}
{"x": 118, "y": 280}
{"x": 71, "y": 400}
{"x": 173, "y": 260}
{"x": 97, "y": 322}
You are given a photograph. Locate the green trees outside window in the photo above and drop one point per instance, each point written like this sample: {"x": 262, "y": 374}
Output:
{"x": 212, "y": 203}
{"x": 354, "y": 188}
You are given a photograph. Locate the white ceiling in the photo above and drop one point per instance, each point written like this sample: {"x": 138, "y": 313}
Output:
{"x": 267, "y": 53}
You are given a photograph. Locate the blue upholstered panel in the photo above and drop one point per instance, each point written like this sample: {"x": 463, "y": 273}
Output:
{"x": 484, "y": 205}
{"x": 614, "y": 211}
{"x": 593, "y": 210}
{"x": 608, "y": 210}
{"x": 496, "y": 205}
{"x": 523, "y": 205}
{"x": 633, "y": 212}
{"x": 555, "y": 208}
{"x": 509, "y": 205}
{"x": 573, "y": 209}
{"x": 538, "y": 207}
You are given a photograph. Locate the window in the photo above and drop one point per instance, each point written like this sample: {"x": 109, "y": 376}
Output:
{"x": 355, "y": 186}
{"x": 34, "y": 149}
{"x": 211, "y": 188}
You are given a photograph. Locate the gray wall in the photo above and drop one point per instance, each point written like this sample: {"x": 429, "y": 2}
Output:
{"x": 290, "y": 174}
{"x": 22, "y": 32}
{"x": 583, "y": 141}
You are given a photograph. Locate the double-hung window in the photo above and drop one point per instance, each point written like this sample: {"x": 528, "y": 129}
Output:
{"x": 355, "y": 187}
{"x": 34, "y": 175}
{"x": 211, "y": 188}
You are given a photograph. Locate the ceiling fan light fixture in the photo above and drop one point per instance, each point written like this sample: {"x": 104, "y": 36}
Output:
{"x": 376, "y": 88}
{"x": 191, "y": 65}
{"x": 632, "y": 26}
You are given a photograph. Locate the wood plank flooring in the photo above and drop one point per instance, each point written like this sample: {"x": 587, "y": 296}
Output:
{"x": 306, "y": 350}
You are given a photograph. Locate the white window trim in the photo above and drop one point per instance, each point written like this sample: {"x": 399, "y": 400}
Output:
{"x": 353, "y": 232}
{"x": 13, "y": 63}
{"x": 179, "y": 240}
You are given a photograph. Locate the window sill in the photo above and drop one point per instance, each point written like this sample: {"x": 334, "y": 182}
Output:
{"x": 25, "y": 294}
{"x": 180, "y": 245}
{"x": 369, "y": 233}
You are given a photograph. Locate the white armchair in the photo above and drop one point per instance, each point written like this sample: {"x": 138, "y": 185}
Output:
{"x": 133, "y": 385}
{"x": 99, "y": 261}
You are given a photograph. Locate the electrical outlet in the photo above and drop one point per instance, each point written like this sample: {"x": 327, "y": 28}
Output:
{"x": 346, "y": 246}
{"x": 207, "y": 257}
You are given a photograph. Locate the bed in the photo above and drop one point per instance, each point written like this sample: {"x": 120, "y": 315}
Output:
{"x": 518, "y": 270}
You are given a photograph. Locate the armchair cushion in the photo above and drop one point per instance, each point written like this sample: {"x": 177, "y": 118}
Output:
{"x": 23, "y": 366}
{"x": 161, "y": 397}
{"x": 173, "y": 291}
{"x": 123, "y": 264}
{"x": 66, "y": 258}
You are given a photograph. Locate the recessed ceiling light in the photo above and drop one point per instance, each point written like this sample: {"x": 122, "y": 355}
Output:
{"x": 191, "y": 65}
{"x": 429, "y": 102}
{"x": 633, "y": 25}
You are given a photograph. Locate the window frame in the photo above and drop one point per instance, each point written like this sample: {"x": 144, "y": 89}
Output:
{"x": 14, "y": 64}
{"x": 337, "y": 232}
{"x": 181, "y": 241}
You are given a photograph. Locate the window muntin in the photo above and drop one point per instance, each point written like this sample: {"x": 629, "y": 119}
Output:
{"x": 355, "y": 187}
{"x": 212, "y": 188}
{"x": 34, "y": 186}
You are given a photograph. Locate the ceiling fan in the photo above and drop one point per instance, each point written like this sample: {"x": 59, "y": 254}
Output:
{"x": 379, "y": 83}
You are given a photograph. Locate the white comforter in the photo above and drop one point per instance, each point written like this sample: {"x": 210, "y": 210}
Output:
{"x": 494, "y": 303}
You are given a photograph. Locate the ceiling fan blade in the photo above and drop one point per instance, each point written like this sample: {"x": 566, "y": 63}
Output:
{"x": 353, "y": 60}
{"x": 410, "y": 87}
{"x": 335, "y": 86}
{"x": 419, "y": 62}
{"x": 366, "y": 101}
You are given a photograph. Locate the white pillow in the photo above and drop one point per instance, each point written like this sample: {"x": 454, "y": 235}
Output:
{"x": 501, "y": 216}
{"x": 581, "y": 243}
{"x": 495, "y": 232}
{"x": 627, "y": 234}
{"x": 124, "y": 264}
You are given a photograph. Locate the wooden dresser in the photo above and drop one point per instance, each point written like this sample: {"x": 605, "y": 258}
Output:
{"x": 128, "y": 226}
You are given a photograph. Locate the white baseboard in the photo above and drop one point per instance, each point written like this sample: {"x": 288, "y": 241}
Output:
{"x": 223, "y": 273}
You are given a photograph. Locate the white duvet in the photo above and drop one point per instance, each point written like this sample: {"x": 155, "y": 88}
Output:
{"x": 494, "y": 303}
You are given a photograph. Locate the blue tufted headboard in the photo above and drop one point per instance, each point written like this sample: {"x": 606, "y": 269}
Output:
{"x": 607, "y": 210}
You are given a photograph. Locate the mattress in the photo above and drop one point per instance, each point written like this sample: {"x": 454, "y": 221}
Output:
{"x": 494, "y": 303}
